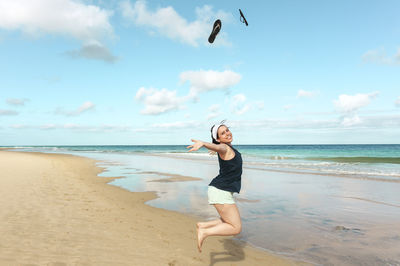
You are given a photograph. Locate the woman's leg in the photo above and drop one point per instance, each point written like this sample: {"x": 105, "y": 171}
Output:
{"x": 231, "y": 224}
{"x": 209, "y": 223}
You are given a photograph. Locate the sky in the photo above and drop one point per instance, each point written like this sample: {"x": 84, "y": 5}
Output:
{"x": 95, "y": 72}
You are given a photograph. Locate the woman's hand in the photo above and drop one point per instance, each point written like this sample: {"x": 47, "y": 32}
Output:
{"x": 196, "y": 145}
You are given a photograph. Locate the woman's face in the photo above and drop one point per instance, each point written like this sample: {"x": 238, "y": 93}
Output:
{"x": 224, "y": 135}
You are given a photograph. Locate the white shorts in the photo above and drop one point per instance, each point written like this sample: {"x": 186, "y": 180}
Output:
{"x": 218, "y": 196}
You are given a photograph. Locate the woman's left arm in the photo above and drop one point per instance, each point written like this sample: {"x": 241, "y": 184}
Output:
{"x": 220, "y": 148}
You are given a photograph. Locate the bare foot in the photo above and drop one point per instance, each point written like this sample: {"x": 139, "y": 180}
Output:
{"x": 200, "y": 238}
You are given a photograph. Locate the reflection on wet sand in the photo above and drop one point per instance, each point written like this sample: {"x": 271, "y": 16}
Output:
{"x": 374, "y": 201}
{"x": 246, "y": 200}
{"x": 171, "y": 177}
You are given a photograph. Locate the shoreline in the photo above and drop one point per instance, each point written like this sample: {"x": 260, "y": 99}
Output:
{"x": 204, "y": 157}
{"x": 253, "y": 166}
{"x": 56, "y": 209}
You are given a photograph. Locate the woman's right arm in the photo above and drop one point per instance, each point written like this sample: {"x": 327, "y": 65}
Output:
{"x": 220, "y": 148}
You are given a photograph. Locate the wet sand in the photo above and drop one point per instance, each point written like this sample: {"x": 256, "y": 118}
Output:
{"x": 55, "y": 210}
{"x": 328, "y": 220}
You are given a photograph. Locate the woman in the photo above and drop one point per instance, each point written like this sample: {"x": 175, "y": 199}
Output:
{"x": 221, "y": 188}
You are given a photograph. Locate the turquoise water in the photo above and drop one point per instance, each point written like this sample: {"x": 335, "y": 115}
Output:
{"x": 263, "y": 151}
{"x": 361, "y": 161}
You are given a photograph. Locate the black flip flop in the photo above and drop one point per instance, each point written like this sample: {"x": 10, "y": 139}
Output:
{"x": 242, "y": 18}
{"x": 216, "y": 29}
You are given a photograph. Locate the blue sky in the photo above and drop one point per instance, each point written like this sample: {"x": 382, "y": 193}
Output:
{"x": 142, "y": 72}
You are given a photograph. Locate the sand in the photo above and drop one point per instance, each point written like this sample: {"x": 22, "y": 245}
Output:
{"x": 55, "y": 210}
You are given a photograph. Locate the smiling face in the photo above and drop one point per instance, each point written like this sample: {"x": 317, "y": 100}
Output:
{"x": 224, "y": 135}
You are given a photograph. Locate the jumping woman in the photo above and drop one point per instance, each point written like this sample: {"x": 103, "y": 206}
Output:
{"x": 222, "y": 187}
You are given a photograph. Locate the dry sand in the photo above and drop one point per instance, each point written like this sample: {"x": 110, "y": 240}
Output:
{"x": 55, "y": 210}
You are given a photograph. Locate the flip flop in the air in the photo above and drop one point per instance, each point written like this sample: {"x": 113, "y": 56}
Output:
{"x": 242, "y": 18}
{"x": 215, "y": 31}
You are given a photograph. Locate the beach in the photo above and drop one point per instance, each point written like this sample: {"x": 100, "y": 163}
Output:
{"x": 117, "y": 116}
{"x": 55, "y": 210}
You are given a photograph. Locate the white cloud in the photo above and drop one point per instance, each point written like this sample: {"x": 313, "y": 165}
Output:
{"x": 94, "y": 50}
{"x": 397, "y": 56}
{"x": 158, "y": 101}
{"x": 239, "y": 98}
{"x": 285, "y": 124}
{"x": 167, "y": 22}
{"x": 397, "y": 102}
{"x": 115, "y": 128}
{"x": 202, "y": 81}
{"x": 379, "y": 56}
{"x": 98, "y": 128}
{"x": 73, "y": 126}
{"x": 388, "y": 121}
{"x": 242, "y": 110}
{"x": 351, "y": 103}
{"x": 306, "y": 94}
{"x": 288, "y": 106}
{"x": 78, "y": 127}
{"x": 177, "y": 125}
{"x": 213, "y": 111}
{"x": 351, "y": 120}
{"x": 66, "y": 17}
{"x": 81, "y": 109}
{"x": 371, "y": 122}
{"x": 87, "y": 23}
{"x": 19, "y": 126}
{"x": 238, "y": 106}
{"x": 259, "y": 105}
{"x": 8, "y": 112}
{"x": 18, "y": 102}
{"x": 48, "y": 126}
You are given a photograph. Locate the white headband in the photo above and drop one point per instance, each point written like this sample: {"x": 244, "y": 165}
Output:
{"x": 215, "y": 131}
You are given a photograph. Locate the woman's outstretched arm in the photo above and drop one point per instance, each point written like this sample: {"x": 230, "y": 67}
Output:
{"x": 220, "y": 148}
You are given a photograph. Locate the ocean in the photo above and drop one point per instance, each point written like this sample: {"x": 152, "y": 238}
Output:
{"x": 366, "y": 161}
{"x": 325, "y": 204}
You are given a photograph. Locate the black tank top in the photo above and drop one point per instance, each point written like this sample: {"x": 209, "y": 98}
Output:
{"x": 230, "y": 173}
